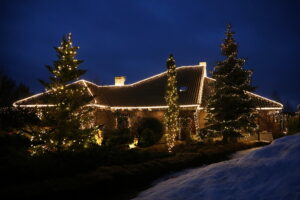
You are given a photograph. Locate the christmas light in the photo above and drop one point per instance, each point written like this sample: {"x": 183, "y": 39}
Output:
{"x": 99, "y": 137}
{"x": 69, "y": 115}
{"x": 140, "y": 107}
{"x": 134, "y": 143}
{"x": 196, "y": 107}
{"x": 280, "y": 106}
{"x": 147, "y": 79}
{"x": 171, "y": 117}
{"x": 196, "y": 120}
{"x": 89, "y": 90}
{"x": 203, "y": 64}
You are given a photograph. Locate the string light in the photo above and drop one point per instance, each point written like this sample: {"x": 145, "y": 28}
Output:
{"x": 15, "y": 104}
{"x": 280, "y": 106}
{"x": 134, "y": 143}
{"x": 171, "y": 117}
{"x": 79, "y": 118}
{"x": 99, "y": 137}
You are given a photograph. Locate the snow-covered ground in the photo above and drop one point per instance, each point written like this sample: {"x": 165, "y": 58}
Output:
{"x": 271, "y": 172}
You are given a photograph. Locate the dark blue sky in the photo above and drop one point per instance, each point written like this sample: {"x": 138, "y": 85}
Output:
{"x": 134, "y": 38}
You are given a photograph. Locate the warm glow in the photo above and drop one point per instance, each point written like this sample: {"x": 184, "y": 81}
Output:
{"x": 99, "y": 137}
{"x": 280, "y": 106}
{"x": 149, "y": 108}
{"x": 201, "y": 82}
{"x": 133, "y": 144}
{"x": 203, "y": 64}
{"x": 120, "y": 80}
{"x": 84, "y": 82}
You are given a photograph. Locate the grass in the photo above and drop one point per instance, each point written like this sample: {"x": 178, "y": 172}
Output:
{"x": 106, "y": 172}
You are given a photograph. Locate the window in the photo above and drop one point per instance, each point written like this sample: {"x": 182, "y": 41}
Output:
{"x": 182, "y": 88}
{"x": 122, "y": 121}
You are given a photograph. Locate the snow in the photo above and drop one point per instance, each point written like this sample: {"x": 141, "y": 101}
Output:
{"x": 271, "y": 172}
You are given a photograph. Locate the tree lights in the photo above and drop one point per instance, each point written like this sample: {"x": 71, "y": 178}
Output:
{"x": 171, "y": 118}
{"x": 231, "y": 109}
{"x": 67, "y": 124}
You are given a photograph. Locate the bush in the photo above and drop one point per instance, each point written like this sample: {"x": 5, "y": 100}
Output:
{"x": 129, "y": 172}
{"x": 146, "y": 138}
{"x": 13, "y": 144}
{"x": 150, "y": 131}
{"x": 117, "y": 137}
{"x": 293, "y": 124}
{"x": 17, "y": 118}
{"x": 19, "y": 168}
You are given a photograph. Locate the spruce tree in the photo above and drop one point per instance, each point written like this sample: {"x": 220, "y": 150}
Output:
{"x": 66, "y": 121}
{"x": 10, "y": 91}
{"x": 171, "y": 117}
{"x": 230, "y": 109}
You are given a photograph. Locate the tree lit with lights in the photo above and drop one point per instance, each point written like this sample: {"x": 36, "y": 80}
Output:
{"x": 171, "y": 118}
{"x": 67, "y": 122}
{"x": 231, "y": 110}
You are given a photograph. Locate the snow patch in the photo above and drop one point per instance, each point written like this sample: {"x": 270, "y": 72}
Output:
{"x": 271, "y": 172}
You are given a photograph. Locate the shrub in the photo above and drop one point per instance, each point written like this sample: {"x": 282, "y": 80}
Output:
{"x": 293, "y": 124}
{"x": 17, "y": 118}
{"x": 111, "y": 172}
{"x": 117, "y": 137}
{"x": 150, "y": 131}
{"x": 13, "y": 143}
{"x": 25, "y": 169}
{"x": 146, "y": 138}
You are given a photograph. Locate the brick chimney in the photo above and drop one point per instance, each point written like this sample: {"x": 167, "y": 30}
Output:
{"x": 120, "y": 80}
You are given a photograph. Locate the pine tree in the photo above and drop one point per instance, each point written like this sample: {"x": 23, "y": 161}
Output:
{"x": 10, "y": 91}
{"x": 231, "y": 110}
{"x": 171, "y": 117}
{"x": 66, "y": 122}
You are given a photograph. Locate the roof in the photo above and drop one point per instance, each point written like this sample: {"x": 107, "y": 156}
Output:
{"x": 193, "y": 85}
{"x": 259, "y": 101}
{"x": 151, "y": 91}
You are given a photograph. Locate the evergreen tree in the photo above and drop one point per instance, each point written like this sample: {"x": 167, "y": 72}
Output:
{"x": 171, "y": 117}
{"x": 10, "y": 91}
{"x": 67, "y": 120}
{"x": 230, "y": 109}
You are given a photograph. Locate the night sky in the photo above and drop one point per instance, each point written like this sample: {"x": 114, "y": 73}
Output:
{"x": 134, "y": 38}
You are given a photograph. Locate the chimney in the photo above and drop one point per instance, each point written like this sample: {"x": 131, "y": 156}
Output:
{"x": 120, "y": 80}
{"x": 203, "y": 64}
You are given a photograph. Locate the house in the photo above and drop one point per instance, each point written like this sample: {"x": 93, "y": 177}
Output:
{"x": 123, "y": 105}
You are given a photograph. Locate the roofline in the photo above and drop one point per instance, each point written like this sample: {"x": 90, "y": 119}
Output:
{"x": 145, "y": 107}
{"x": 251, "y": 93}
{"x": 38, "y": 94}
{"x": 195, "y": 106}
{"x": 145, "y": 79}
{"x": 200, "y": 94}
{"x": 91, "y": 93}
{"x": 269, "y": 108}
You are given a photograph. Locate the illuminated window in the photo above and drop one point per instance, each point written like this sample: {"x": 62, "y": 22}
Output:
{"x": 182, "y": 89}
